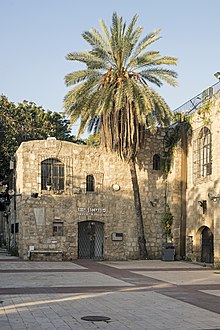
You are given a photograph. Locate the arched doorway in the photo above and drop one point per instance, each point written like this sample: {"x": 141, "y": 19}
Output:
{"x": 207, "y": 251}
{"x": 90, "y": 240}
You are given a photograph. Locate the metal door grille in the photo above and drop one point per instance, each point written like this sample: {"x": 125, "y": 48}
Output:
{"x": 90, "y": 240}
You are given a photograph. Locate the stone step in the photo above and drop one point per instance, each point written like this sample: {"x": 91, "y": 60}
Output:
{"x": 3, "y": 250}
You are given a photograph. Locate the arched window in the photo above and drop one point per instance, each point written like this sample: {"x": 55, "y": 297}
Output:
{"x": 156, "y": 162}
{"x": 90, "y": 183}
{"x": 52, "y": 174}
{"x": 202, "y": 153}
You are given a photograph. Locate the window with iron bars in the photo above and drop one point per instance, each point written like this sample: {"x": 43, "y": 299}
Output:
{"x": 58, "y": 229}
{"x": 202, "y": 154}
{"x": 52, "y": 174}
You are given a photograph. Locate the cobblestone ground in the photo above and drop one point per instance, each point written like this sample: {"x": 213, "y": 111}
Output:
{"x": 133, "y": 295}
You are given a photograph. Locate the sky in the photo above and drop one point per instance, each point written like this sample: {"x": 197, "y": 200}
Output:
{"x": 36, "y": 35}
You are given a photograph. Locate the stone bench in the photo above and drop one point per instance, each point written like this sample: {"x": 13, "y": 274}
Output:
{"x": 45, "y": 255}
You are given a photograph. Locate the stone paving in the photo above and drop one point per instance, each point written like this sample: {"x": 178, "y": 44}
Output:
{"x": 136, "y": 295}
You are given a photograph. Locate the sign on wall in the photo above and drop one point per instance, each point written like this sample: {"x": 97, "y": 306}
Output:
{"x": 117, "y": 236}
{"x": 91, "y": 210}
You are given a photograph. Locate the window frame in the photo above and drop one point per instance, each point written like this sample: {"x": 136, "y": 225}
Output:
{"x": 202, "y": 154}
{"x": 52, "y": 174}
{"x": 58, "y": 225}
{"x": 90, "y": 183}
{"x": 156, "y": 162}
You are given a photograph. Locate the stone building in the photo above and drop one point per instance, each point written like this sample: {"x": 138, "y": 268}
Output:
{"x": 199, "y": 172}
{"x": 74, "y": 201}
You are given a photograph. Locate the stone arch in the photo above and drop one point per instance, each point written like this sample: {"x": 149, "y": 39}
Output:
{"x": 52, "y": 174}
{"x": 90, "y": 183}
{"x": 205, "y": 248}
{"x": 156, "y": 162}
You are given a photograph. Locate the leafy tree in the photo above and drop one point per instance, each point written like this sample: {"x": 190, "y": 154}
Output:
{"x": 112, "y": 94}
{"x": 167, "y": 222}
{"x": 27, "y": 121}
{"x": 93, "y": 140}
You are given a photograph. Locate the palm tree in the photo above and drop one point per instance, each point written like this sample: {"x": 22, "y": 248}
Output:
{"x": 112, "y": 94}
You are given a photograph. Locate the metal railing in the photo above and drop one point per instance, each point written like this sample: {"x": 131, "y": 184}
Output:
{"x": 192, "y": 105}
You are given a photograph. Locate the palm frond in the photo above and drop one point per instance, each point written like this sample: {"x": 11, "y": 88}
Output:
{"x": 147, "y": 41}
{"x": 78, "y": 76}
{"x": 130, "y": 39}
{"x": 90, "y": 59}
{"x": 94, "y": 38}
{"x": 105, "y": 32}
{"x": 157, "y": 75}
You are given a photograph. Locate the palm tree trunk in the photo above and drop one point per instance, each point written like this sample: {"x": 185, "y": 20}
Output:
{"x": 137, "y": 205}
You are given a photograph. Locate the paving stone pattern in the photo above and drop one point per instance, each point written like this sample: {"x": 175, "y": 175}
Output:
{"x": 135, "y": 295}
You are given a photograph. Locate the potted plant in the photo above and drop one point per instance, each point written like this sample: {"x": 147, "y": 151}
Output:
{"x": 168, "y": 249}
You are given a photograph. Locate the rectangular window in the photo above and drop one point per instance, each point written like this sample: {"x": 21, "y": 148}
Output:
{"x": 58, "y": 229}
{"x": 52, "y": 174}
{"x": 196, "y": 171}
{"x": 202, "y": 154}
{"x": 90, "y": 183}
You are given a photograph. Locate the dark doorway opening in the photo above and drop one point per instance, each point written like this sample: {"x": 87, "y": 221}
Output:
{"x": 207, "y": 246}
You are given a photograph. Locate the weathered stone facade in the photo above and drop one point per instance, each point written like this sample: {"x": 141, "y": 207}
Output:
{"x": 205, "y": 215}
{"x": 75, "y": 222}
{"x": 202, "y": 220}
{"x": 113, "y": 209}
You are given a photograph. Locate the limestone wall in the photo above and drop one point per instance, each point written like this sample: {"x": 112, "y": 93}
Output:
{"x": 198, "y": 189}
{"x": 114, "y": 209}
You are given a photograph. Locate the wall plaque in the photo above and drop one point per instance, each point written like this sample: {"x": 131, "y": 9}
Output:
{"x": 117, "y": 236}
{"x": 91, "y": 210}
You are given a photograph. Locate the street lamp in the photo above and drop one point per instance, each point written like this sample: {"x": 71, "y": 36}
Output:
{"x": 214, "y": 198}
{"x": 217, "y": 75}
{"x": 14, "y": 195}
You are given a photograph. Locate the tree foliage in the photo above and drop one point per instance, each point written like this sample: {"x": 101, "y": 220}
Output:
{"x": 27, "y": 121}
{"x": 93, "y": 140}
{"x": 167, "y": 222}
{"x": 113, "y": 93}
{"x": 181, "y": 123}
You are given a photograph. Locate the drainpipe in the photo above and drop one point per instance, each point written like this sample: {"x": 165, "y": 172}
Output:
{"x": 183, "y": 186}
{"x": 12, "y": 193}
{"x": 15, "y": 219}
{"x": 9, "y": 230}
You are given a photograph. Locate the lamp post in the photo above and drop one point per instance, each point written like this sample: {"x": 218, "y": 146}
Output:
{"x": 214, "y": 198}
{"x": 217, "y": 75}
{"x": 13, "y": 194}
{"x": 3, "y": 208}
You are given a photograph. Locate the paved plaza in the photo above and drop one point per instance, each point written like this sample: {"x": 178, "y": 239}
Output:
{"x": 151, "y": 295}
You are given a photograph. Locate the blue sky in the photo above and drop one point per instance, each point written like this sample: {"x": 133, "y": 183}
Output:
{"x": 36, "y": 35}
